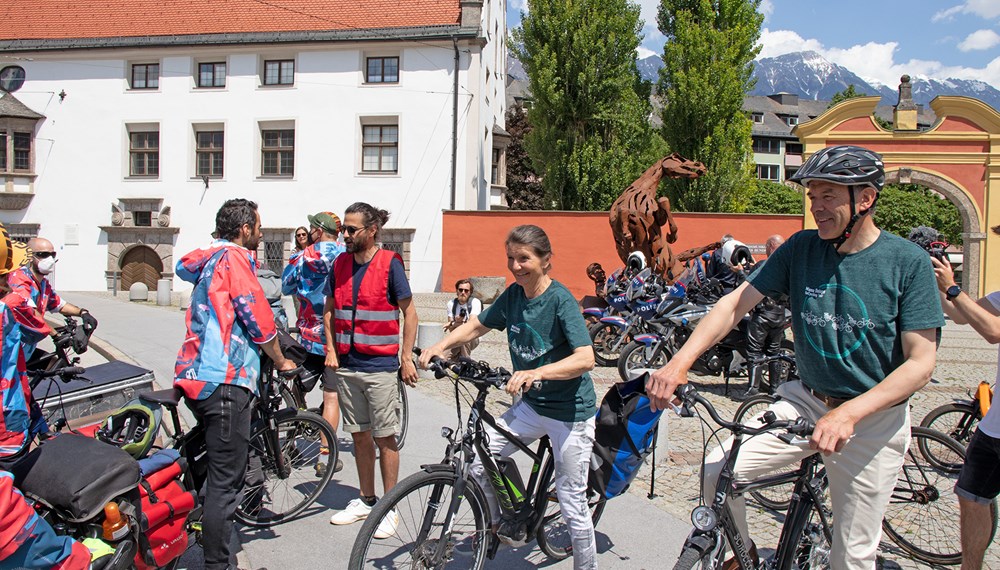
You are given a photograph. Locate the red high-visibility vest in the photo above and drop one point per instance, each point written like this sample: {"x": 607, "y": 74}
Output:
{"x": 372, "y": 325}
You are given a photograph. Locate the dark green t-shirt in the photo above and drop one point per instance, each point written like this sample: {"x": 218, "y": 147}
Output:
{"x": 540, "y": 331}
{"x": 849, "y": 311}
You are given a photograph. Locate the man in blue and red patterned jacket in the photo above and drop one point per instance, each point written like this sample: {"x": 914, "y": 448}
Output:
{"x": 219, "y": 365}
{"x": 307, "y": 276}
{"x": 28, "y": 542}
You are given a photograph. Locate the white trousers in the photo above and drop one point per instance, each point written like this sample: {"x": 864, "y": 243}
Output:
{"x": 572, "y": 443}
{"x": 862, "y": 475}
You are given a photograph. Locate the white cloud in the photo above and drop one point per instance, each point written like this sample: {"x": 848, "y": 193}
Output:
{"x": 979, "y": 40}
{"x": 987, "y": 9}
{"x": 645, "y": 52}
{"x": 767, "y": 8}
{"x": 873, "y": 60}
{"x": 519, "y": 5}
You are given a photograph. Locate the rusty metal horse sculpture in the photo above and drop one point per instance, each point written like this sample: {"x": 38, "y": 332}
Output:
{"x": 637, "y": 217}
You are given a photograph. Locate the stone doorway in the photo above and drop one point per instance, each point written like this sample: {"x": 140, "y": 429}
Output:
{"x": 141, "y": 265}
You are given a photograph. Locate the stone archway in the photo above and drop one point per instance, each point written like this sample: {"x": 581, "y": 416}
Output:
{"x": 140, "y": 264}
{"x": 972, "y": 231}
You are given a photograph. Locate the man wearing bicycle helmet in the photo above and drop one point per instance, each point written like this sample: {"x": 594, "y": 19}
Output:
{"x": 864, "y": 313}
{"x": 978, "y": 485}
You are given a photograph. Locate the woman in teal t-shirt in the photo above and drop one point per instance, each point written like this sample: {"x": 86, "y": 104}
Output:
{"x": 550, "y": 347}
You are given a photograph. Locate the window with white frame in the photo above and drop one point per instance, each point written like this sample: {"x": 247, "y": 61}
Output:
{"x": 757, "y": 117}
{"x": 145, "y": 76}
{"x": 380, "y": 148}
{"x": 382, "y": 69}
{"x": 144, "y": 152}
{"x": 790, "y": 120}
{"x": 767, "y": 171}
{"x": 209, "y": 151}
{"x": 279, "y": 72}
{"x": 211, "y": 74}
{"x": 277, "y": 152}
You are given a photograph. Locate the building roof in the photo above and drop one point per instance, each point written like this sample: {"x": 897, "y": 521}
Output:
{"x": 774, "y": 125}
{"x": 90, "y": 19}
{"x": 10, "y": 106}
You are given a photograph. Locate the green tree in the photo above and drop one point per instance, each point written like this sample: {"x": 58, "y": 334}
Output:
{"x": 590, "y": 134}
{"x": 708, "y": 66}
{"x": 774, "y": 198}
{"x": 524, "y": 187}
{"x": 851, "y": 93}
{"x": 902, "y": 207}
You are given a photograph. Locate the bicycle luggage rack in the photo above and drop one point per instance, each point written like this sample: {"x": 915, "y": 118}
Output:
{"x": 101, "y": 390}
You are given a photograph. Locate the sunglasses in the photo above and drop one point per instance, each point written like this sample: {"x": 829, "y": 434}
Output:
{"x": 465, "y": 290}
{"x": 44, "y": 254}
{"x": 301, "y": 235}
{"x": 351, "y": 230}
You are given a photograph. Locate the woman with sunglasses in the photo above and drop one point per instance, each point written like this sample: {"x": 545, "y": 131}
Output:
{"x": 551, "y": 352}
{"x": 302, "y": 239}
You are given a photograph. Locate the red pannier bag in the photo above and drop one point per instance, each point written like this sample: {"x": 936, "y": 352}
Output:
{"x": 166, "y": 505}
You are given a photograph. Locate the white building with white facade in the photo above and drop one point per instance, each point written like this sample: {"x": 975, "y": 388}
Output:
{"x": 124, "y": 125}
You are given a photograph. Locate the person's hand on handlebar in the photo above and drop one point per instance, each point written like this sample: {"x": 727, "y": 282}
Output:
{"x": 284, "y": 365}
{"x": 522, "y": 381}
{"x": 662, "y": 383}
{"x": 427, "y": 354}
{"x": 89, "y": 322}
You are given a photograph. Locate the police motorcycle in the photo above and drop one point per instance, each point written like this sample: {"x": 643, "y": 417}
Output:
{"x": 674, "y": 321}
{"x": 613, "y": 332}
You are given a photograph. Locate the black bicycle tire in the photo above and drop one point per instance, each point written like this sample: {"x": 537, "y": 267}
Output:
{"x": 403, "y": 413}
{"x": 550, "y": 550}
{"x": 804, "y": 546}
{"x": 765, "y": 497}
{"x": 919, "y": 444}
{"x": 288, "y": 398}
{"x": 322, "y": 481}
{"x": 690, "y": 556}
{"x": 623, "y": 360}
{"x": 960, "y": 429}
{"x": 603, "y": 358}
{"x": 366, "y": 535}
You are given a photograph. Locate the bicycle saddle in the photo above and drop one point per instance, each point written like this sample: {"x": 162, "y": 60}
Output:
{"x": 168, "y": 397}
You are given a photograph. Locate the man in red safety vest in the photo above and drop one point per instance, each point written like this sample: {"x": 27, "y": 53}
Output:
{"x": 367, "y": 291}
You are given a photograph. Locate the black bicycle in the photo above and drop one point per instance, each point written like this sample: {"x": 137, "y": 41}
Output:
{"x": 806, "y": 534}
{"x": 284, "y": 449}
{"x": 444, "y": 520}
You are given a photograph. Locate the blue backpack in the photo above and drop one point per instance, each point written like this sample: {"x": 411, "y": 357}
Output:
{"x": 624, "y": 437}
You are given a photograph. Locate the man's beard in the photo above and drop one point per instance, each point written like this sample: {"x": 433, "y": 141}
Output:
{"x": 354, "y": 246}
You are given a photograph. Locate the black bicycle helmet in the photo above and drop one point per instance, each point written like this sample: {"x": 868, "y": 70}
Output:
{"x": 133, "y": 428}
{"x": 852, "y": 166}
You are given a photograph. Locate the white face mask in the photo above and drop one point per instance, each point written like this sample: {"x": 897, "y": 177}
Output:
{"x": 47, "y": 265}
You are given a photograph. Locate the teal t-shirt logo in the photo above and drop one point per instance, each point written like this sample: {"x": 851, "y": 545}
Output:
{"x": 526, "y": 345}
{"x": 835, "y": 320}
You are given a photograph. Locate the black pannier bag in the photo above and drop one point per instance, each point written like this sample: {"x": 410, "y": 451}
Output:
{"x": 77, "y": 475}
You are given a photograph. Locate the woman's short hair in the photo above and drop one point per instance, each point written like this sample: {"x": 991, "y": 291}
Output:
{"x": 531, "y": 236}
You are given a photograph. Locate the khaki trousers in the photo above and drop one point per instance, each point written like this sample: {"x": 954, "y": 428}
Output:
{"x": 862, "y": 475}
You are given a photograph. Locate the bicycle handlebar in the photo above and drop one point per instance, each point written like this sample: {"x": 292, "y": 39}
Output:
{"x": 66, "y": 373}
{"x": 689, "y": 396}
{"x": 469, "y": 370}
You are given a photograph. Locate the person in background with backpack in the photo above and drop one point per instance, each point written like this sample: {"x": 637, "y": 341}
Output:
{"x": 460, "y": 309}
{"x": 551, "y": 352}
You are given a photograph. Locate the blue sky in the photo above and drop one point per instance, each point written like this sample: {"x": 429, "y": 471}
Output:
{"x": 877, "y": 39}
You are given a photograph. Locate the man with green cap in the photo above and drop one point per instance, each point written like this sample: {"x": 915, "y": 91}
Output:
{"x": 306, "y": 277}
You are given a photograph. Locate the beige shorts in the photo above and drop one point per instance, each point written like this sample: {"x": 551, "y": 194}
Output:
{"x": 369, "y": 402}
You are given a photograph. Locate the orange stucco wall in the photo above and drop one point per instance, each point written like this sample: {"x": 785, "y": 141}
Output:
{"x": 473, "y": 242}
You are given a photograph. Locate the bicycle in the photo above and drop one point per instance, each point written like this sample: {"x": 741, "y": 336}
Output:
{"x": 806, "y": 535}
{"x": 293, "y": 392}
{"x": 960, "y": 418}
{"x": 283, "y": 451}
{"x": 444, "y": 518}
{"x": 922, "y": 516}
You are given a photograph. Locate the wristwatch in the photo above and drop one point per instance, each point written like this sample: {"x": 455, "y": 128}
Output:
{"x": 952, "y": 292}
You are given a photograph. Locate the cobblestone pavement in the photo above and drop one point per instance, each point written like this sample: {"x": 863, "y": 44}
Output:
{"x": 963, "y": 360}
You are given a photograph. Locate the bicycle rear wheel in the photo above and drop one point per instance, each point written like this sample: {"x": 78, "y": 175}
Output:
{"x": 274, "y": 494}
{"x": 403, "y": 414}
{"x": 421, "y": 503}
{"x": 956, "y": 420}
{"x": 553, "y": 536}
{"x": 922, "y": 517}
{"x": 777, "y": 497}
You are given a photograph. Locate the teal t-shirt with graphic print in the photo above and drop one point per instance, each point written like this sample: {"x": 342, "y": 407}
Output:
{"x": 849, "y": 311}
{"x": 540, "y": 331}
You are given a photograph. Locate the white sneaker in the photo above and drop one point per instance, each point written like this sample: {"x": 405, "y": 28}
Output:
{"x": 387, "y": 526}
{"x": 356, "y": 511}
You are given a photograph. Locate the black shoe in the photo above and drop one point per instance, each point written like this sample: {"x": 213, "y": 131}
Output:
{"x": 750, "y": 393}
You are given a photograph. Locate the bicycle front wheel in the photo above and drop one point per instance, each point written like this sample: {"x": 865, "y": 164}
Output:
{"x": 420, "y": 505}
{"x": 277, "y": 491}
{"x": 957, "y": 420}
{"x": 553, "y": 536}
{"x": 922, "y": 516}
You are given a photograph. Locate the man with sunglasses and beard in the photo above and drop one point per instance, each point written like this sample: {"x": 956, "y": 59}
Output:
{"x": 366, "y": 292}
{"x": 32, "y": 282}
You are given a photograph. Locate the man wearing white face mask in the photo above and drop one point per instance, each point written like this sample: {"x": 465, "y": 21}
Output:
{"x": 30, "y": 281}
